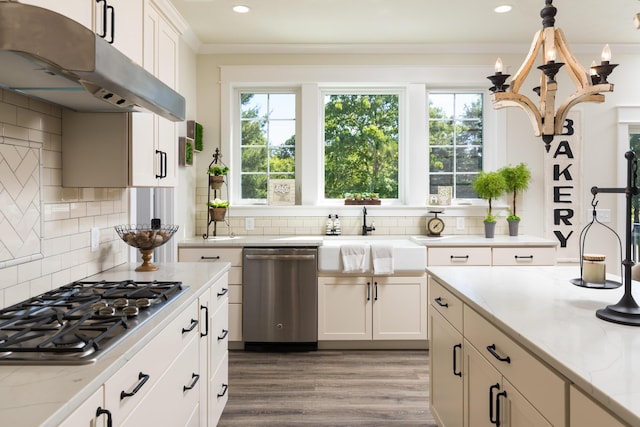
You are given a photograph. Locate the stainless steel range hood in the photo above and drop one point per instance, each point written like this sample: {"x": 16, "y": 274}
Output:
{"x": 48, "y": 56}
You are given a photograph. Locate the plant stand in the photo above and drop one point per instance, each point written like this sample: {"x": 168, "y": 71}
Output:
{"x": 216, "y": 215}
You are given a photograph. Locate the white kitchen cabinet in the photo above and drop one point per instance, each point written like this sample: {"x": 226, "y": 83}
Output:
{"x": 584, "y": 412}
{"x": 89, "y": 414}
{"x": 372, "y": 308}
{"x": 445, "y": 361}
{"x": 233, "y": 256}
{"x": 119, "y": 22}
{"x": 214, "y": 335}
{"x": 459, "y": 256}
{"x": 129, "y": 387}
{"x": 524, "y": 255}
{"x": 445, "y": 358}
{"x": 491, "y": 400}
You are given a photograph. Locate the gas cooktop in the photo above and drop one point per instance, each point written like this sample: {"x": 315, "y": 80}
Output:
{"x": 77, "y": 323}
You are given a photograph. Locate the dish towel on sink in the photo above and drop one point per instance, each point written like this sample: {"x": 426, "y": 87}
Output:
{"x": 353, "y": 258}
{"x": 382, "y": 256}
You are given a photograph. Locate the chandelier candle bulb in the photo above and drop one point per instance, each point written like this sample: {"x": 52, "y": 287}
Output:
{"x": 605, "y": 57}
{"x": 593, "y": 268}
{"x": 499, "y": 67}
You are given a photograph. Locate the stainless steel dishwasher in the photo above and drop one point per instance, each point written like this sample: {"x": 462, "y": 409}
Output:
{"x": 280, "y": 299}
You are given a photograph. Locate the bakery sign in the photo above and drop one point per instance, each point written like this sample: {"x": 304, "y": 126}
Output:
{"x": 562, "y": 190}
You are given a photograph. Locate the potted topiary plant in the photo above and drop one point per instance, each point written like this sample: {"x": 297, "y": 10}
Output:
{"x": 218, "y": 209}
{"x": 516, "y": 178}
{"x": 216, "y": 176}
{"x": 488, "y": 186}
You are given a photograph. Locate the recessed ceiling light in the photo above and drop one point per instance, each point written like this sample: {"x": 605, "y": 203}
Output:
{"x": 241, "y": 9}
{"x": 503, "y": 8}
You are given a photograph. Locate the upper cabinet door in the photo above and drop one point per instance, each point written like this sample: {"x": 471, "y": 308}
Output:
{"x": 78, "y": 10}
{"x": 120, "y": 23}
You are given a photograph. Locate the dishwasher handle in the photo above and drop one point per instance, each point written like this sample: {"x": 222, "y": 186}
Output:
{"x": 281, "y": 257}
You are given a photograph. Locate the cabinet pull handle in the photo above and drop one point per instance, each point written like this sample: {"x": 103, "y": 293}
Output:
{"x": 492, "y": 349}
{"x": 163, "y": 164}
{"x": 223, "y": 292}
{"x": 206, "y": 322}
{"x": 142, "y": 379}
{"x": 225, "y": 387}
{"x": 368, "y": 291}
{"x": 104, "y": 18}
{"x": 210, "y": 257}
{"x": 496, "y": 386}
{"x": 517, "y": 257}
{"x": 375, "y": 284}
{"x": 456, "y": 372}
{"x": 440, "y": 303}
{"x": 101, "y": 411}
{"x": 460, "y": 257}
{"x": 194, "y": 323}
{"x": 113, "y": 23}
{"x": 195, "y": 378}
{"x": 498, "y": 396}
{"x": 223, "y": 335}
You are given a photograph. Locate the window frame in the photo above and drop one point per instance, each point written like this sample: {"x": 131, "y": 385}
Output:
{"x": 485, "y": 105}
{"x": 417, "y": 81}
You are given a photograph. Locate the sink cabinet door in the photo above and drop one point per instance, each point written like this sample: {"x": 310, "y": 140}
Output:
{"x": 399, "y": 308}
{"x": 344, "y": 308}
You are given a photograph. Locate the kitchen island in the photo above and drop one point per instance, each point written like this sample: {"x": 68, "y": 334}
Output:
{"x": 553, "y": 321}
{"x": 45, "y": 395}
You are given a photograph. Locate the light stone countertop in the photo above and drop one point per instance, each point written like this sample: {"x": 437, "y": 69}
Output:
{"x": 44, "y": 395}
{"x": 556, "y": 321}
{"x": 462, "y": 240}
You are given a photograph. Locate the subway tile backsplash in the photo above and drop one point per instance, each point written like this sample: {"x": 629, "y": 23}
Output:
{"x": 65, "y": 215}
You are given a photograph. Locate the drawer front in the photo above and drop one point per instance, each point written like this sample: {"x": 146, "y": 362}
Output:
{"x": 235, "y": 322}
{"x": 219, "y": 336}
{"x": 538, "y": 383}
{"x": 235, "y": 275}
{"x": 219, "y": 389}
{"x": 446, "y": 303}
{"x": 219, "y": 293}
{"x": 145, "y": 368}
{"x": 459, "y": 256}
{"x": 524, "y": 256}
{"x": 235, "y": 294}
{"x": 232, "y": 255}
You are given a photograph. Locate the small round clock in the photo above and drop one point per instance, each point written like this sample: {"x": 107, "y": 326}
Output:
{"x": 435, "y": 226}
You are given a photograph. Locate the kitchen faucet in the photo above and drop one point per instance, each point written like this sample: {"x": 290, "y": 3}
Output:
{"x": 365, "y": 228}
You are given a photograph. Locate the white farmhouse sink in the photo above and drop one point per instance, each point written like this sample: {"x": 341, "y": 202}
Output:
{"x": 408, "y": 257}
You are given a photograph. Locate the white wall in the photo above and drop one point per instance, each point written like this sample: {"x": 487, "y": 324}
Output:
{"x": 598, "y": 130}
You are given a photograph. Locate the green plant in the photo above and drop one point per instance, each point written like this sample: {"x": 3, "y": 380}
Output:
{"x": 516, "y": 178}
{"x": 188, "y": 153}
{"x": 218, "y": 170}
{"x": 198, "y": 137}
{"x": 218, "y": 203}
{"x": 488, "y": 186}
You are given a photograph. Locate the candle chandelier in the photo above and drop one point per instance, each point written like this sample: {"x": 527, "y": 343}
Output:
{"x": 545, "y": 119}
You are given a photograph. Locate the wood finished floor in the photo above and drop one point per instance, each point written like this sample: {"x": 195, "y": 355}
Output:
{"x": 328, "y": 388}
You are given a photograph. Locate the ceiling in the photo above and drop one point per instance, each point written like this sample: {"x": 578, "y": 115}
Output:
{"x": 407, "y": 22}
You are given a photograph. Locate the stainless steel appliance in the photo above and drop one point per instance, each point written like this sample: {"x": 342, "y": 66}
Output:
{"x": 79, "y": 322}
{"x": 280, "y": 298}
{"x": 54, "y": 58}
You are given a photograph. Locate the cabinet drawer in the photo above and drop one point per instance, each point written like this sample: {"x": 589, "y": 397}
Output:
{"x": 524, "y": 256}
{"x": 235, "y": 275}
{"x": 459, "y": 256}
{"x": 586, "y": 412}
{"x": 145, "y": 368}
{"x": 219, "y": 389}
{"x": 446, "y": 303}
{"x": 232, "y": 255}
{"x": 235, "y": 294}
{"x": 219, "y": 293}
{"x": 235, "y": 322}
{"x": 543, "y": 388}
{"x": 219, "y": 336}
{"x": 178, "y": 388}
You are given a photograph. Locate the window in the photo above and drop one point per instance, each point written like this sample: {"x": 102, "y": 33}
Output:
{"x": 268, "y": 141}
{"x": 455, "y": 141}
{"x": 361, "y": 144}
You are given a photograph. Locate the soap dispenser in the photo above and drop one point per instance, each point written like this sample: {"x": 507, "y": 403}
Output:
{"x": 329, "y": 226}
{"x": 337, "y": 229}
